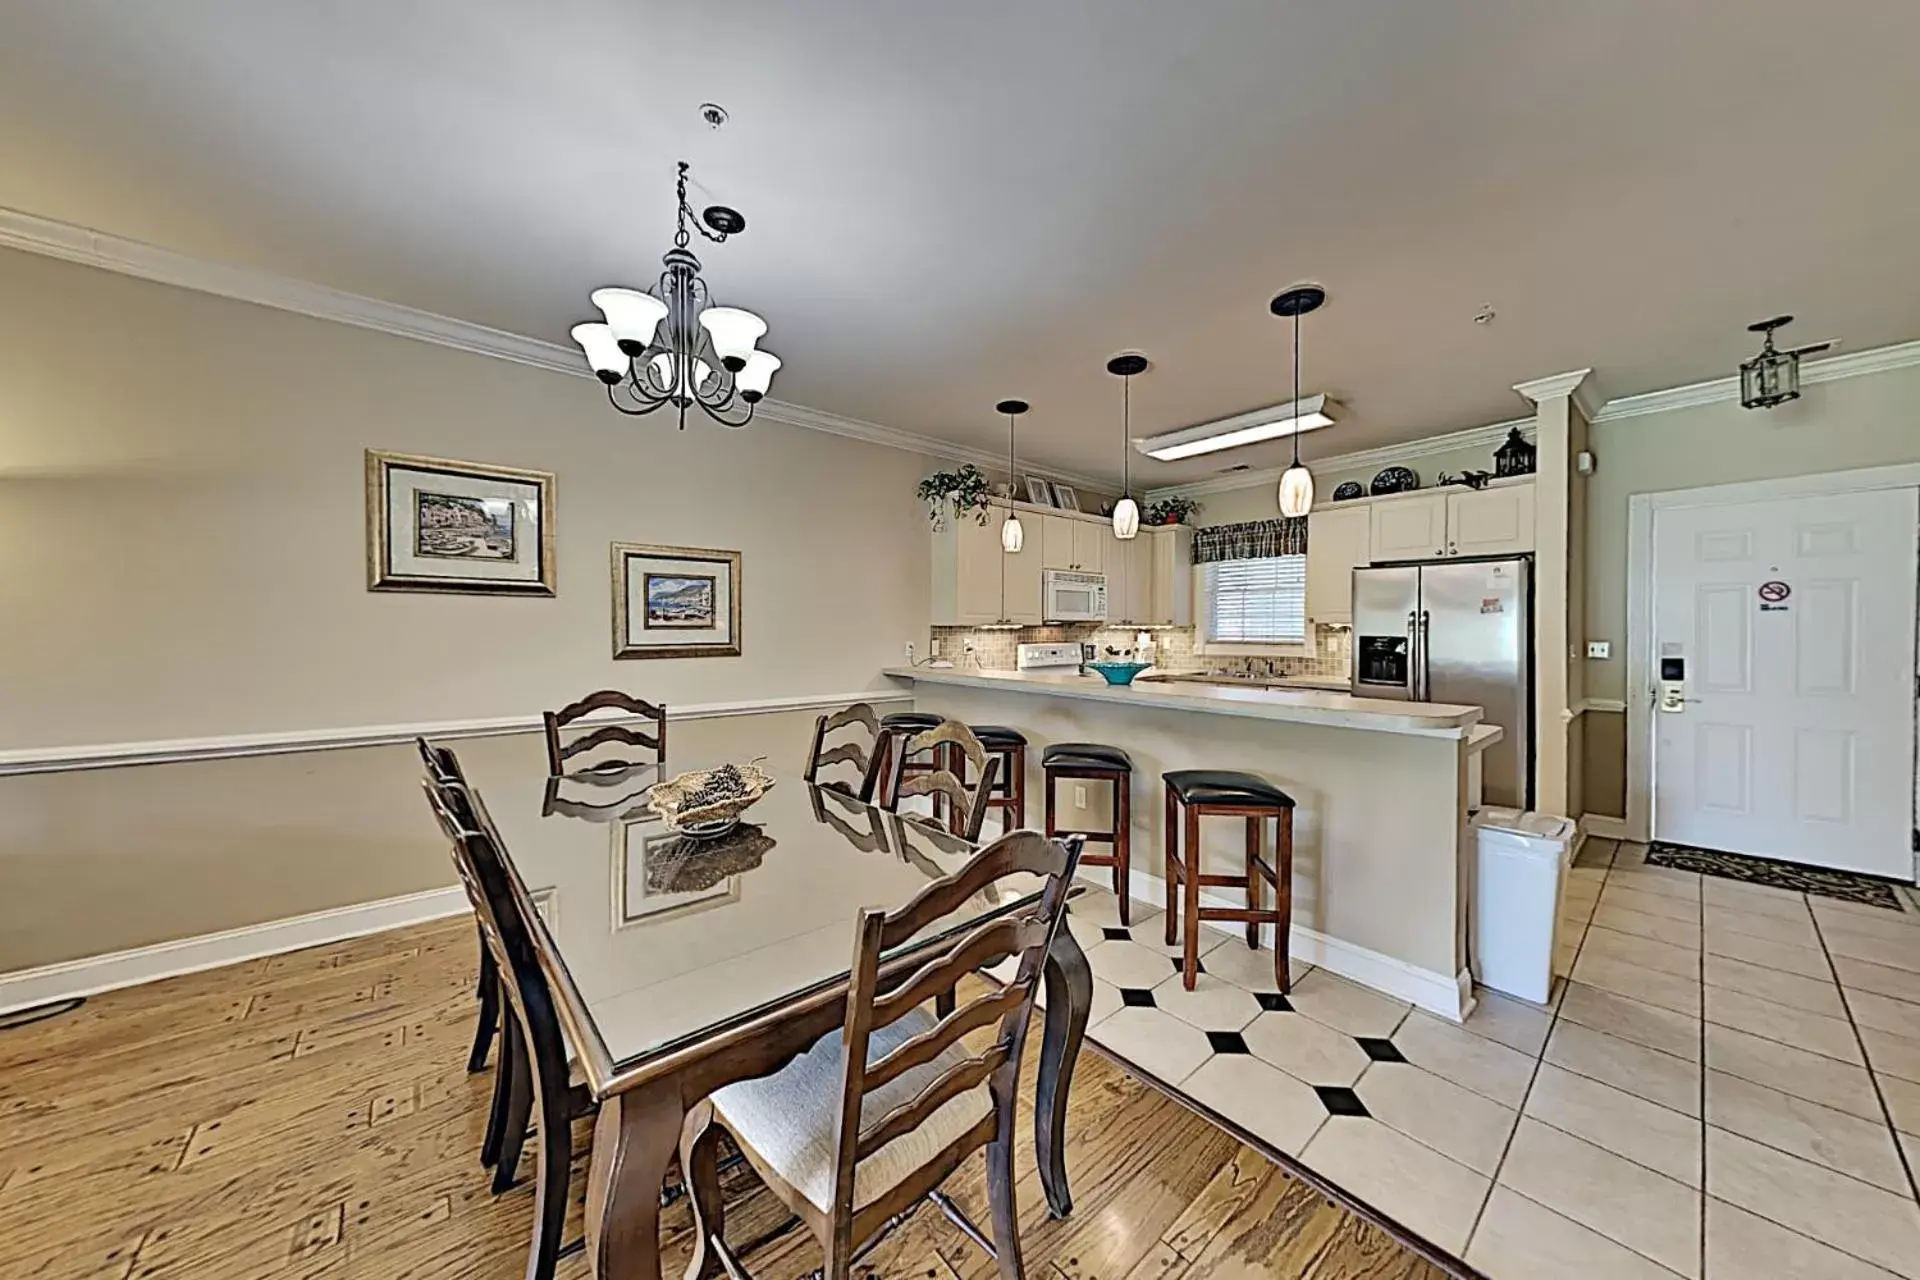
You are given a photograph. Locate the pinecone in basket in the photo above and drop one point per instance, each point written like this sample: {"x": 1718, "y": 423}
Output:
{"x": 724, "y": 783}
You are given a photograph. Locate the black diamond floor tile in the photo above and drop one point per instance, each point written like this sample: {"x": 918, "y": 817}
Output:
{"x": 1137, "y": 997}
{"x": 1340, "y": 1101}
{"x": 1112, "y": 934}
{"x": 1227, "y": 1042}
{"x": 1273, "y": 1002}
{"x": 1180, "y": 966}
{"x": 1379, "y": 1050}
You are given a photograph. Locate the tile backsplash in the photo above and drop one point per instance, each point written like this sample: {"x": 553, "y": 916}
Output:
{"x": 995, "y": 649}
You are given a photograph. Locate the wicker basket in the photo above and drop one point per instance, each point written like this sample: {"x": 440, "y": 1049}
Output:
{"x": 670, "y": 799}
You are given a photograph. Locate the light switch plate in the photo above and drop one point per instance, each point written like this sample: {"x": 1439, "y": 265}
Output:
{"x": 1599, "y": 648}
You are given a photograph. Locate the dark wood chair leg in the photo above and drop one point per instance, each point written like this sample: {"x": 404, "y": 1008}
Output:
{"x": 700, "y": 1170}
{"x": 488, "y": 1019}
{"x": 1190, "y": 897}
{"x": 519, "y": 1108}
{"x": 555, "y": 1156}
{"x": 1000, "y": 1199}
{"x": 1169, "y": 837}
{"x": 498, "y": 1111}
{"x": 1283, "y": 900}
{"x": 1253, "y": 880}
{"x": 1123, "y": 846}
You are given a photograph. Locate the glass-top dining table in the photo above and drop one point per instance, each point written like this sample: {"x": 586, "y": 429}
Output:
{"x": 680, "y": 966}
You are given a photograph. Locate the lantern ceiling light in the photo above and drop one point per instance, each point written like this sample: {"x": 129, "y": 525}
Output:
{"x": 669, "y": 345}
{"x": 1296, "y": 482}
{"x": 1126, "y": 512}
{"x": 1773, "y": 377}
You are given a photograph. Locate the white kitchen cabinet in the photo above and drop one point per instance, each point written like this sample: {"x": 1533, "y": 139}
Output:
{"x": 1058, "y": 542}
{"x": 1129, "y": 570}
{"x": 968, "y": 584}
{"x": 1488, "y": 522}
{"x": 1171, "y": 602}
{"x": 1090, "y": 545}
{"x": 1339, "y": 540}
{"x": 1023, "y": 585}
{"x": 1410, "y": 527}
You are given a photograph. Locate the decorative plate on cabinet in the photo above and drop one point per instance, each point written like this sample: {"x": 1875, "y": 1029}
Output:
{"x": 1395, "y": 480}
{"x": 1348, "y": 490}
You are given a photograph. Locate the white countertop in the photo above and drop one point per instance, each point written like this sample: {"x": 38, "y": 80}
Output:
{"x": 1299, "y": 706}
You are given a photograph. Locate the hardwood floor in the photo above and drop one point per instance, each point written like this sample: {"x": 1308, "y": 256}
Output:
{"x": 309, "y": 1115}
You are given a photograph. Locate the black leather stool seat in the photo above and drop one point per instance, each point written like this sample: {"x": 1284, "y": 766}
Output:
{"x": 997, "y": 737}
{"x": 1224, "y": 786}
{"x": 1086, "y": 755}
{"x": 911, "y": 721}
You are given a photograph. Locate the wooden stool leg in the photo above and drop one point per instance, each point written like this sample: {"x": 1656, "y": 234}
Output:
{"x": 1123, "y": 846}
{"x": 1190, "y": 956}
{"x": 1169, "y": 837}
{"x": 1283, "y": 900}
{"x": 1018, "y": 782}
{"x": 1254, "y": 825}
{"x": 1048, "y": 784}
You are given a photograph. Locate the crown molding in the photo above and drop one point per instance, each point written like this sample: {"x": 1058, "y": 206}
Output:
{"x": 1559, "y": 384}
{"x": 1855, "y": 364}
{"x": 1473, "y": 437}
{"x": 49, "y": 238}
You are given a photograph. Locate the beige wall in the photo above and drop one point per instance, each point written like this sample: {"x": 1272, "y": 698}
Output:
{"x": 1835, "y": 426}
{"x": 182, "y": 554}
{"x": 182, "y": 545}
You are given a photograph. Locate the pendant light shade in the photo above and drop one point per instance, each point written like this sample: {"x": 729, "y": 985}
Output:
{"x": 1296, "y": 482}
{"x": 1012, "y": 536}
{"x": 1126, "y": 512}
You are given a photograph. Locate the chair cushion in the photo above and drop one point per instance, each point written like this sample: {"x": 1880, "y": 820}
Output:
{"x": 911, "y": 721}
{"x": 1224, "y": 786}
{"x": 1087, "y": 755}
{"x": 997, "y": 737}
{"x": 788, "y": 1117}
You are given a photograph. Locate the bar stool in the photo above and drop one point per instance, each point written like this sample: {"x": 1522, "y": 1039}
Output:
{"x": 1093, "y": 762}
{"x": 895, "y": 729}
{"x": 1009, "y": 792}
{"x": 1196, "y": 793}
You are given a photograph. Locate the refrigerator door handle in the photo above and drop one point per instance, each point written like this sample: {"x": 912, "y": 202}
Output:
{"x": 1415, "y": 659}
{"x": 1425, "y": 691}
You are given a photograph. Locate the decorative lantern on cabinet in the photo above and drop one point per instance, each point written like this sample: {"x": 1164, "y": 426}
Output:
{"x": 1773, "y": 377}
{"x": 1515, "y": 457}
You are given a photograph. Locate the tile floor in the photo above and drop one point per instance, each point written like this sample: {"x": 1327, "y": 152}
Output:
{"x": 1726, "y": 1088}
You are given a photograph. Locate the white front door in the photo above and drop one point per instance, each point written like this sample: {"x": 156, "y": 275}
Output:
{"x": 1792, "y": 622}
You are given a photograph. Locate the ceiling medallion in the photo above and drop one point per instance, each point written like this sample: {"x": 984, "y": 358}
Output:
{"x": 669, "y": 345}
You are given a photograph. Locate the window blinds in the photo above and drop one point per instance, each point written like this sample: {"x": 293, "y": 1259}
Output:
{"x": 1261, "y": 601}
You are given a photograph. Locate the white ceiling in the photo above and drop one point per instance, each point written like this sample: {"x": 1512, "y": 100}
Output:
{"x": 953, "y": 203}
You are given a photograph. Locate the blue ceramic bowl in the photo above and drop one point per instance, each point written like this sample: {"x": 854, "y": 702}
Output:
{"x": 1119, "y": 672}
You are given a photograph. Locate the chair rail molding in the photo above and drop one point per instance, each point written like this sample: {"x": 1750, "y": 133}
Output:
{"x": 67, "y": 242}
{"x": 114, "y": 755}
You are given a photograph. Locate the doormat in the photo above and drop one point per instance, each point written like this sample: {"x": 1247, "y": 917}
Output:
{"x": 1844, "y": 885}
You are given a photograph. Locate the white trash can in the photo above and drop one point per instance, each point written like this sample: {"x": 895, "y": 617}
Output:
{"x": 1521, "y": 869}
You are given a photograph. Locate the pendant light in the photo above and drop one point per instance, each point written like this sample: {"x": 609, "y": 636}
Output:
{"x": 1296, "y": 482}
{"x": 1126, "y": 512}
{"x": 1012, "y": 536}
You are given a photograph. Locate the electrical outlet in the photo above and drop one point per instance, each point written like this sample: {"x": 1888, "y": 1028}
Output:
{"x": 909, "y": 653}
{"x": 1079, "y": 796}
{"x": 1599, "y": 648}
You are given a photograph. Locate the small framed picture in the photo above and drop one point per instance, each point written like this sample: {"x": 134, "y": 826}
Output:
{"x": 434, "y": 524}
{"x": 1064, "y": 497}
{"x": 1038, "y": 492}
{"x": 675, "y": 602}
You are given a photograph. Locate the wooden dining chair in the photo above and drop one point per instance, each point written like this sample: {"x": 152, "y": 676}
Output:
{"x": 560, "y": 752}
{"x": 875, "y": 1116}
{"x": 534, "y": 1079}
{"x": 863, "y": 755}
{"x": 443, "y": 767}
{"x": 954, "y": 748}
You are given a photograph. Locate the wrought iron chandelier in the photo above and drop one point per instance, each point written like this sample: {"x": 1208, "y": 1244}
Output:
{"x": 669, "y": 345}
{"x": 1772, "y": 378}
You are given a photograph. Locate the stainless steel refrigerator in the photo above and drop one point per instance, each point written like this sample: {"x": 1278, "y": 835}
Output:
{"x": 1455, "y": 631}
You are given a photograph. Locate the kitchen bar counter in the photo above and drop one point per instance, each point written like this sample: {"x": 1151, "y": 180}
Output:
{"x": 1380, "y": 865}
{"x": 1298, "y": 706}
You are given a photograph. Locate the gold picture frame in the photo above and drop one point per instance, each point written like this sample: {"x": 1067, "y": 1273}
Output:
{"x": 483, "y": 530}
{"x": 675, "y": 602}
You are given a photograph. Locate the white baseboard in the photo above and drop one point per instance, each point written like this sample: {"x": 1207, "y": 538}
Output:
{"x": 1603, "y": 827}
{"x": 1450, "y": 997}
{"x": 25, "y": 988}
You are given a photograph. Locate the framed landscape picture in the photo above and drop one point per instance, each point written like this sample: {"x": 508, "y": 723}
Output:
{"x": 675, "y": 602}
{"x": 1039, "y": 492}
{"x": 1064, "y": 497}
{"x": 434, "y": 524}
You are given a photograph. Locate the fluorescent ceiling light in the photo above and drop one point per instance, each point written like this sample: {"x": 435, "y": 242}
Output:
{"x": 1307, "y": 414}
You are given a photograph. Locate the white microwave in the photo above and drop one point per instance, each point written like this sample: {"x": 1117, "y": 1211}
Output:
{"x": 1066, "y": 596}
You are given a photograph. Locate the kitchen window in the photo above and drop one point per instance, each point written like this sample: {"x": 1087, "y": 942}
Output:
{"x": 1255, "y": 602}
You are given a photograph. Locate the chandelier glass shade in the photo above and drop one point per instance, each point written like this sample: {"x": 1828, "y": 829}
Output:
{"x": 669, "y": 345}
